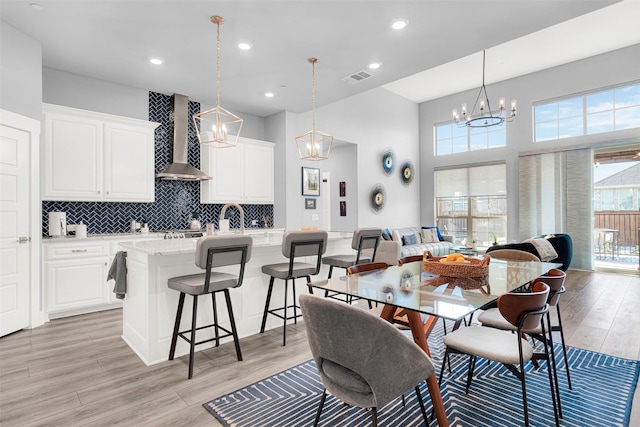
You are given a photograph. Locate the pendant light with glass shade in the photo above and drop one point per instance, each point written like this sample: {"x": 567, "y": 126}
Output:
{"x": 218, "y": 127}
{"x": 314, "y": 144}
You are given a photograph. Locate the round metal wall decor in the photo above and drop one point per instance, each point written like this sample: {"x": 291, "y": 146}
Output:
{"x": 388, "y": 161}
{"x": 406, "y": 173}
{"x": 377, "y": 198}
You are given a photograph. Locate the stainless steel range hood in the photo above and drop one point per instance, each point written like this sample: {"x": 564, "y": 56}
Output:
{"x": 180, "y": 170}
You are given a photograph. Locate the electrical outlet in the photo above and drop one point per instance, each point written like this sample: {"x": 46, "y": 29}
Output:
{"x": 254, "y": 222}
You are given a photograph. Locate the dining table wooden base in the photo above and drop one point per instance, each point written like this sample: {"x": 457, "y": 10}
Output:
{"x": 420, "y": 332}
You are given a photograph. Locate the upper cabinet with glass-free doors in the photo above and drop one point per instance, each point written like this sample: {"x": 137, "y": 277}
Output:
{"x": 89, "y": 156}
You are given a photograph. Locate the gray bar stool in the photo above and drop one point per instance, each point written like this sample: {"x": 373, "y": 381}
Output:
{"x": 294, "y": 244}
{"x": 363, "y": 239}
{"x": 214, "y": 251}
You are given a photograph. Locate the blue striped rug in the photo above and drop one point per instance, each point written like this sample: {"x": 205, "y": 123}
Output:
{"x": 603, "y": 388}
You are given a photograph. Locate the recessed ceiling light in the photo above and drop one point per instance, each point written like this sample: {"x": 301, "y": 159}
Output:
{"x": 36, "y": 6}
{"x": 155, "y": 61}
{"x": 269, "y": 94}
{"x": 244, "y": 45}
{"x": 374, "y": 65}
{"x": 399, "y": 24}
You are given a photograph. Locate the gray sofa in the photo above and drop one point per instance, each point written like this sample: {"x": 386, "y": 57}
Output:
{"x": 390, "y": 251}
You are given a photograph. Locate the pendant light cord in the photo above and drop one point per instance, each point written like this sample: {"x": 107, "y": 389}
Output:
{"x": 218, "y": 56}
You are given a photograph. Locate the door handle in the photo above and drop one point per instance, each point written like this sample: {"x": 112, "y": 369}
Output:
{"x": 23, "y": 239}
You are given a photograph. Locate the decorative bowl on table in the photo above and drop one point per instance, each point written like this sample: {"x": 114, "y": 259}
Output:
{"x": 456, "y": 265}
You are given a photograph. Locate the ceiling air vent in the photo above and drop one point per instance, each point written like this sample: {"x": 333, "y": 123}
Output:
{"x": 357, "y": 77}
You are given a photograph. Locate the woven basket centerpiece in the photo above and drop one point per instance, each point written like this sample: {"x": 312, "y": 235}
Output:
{"x": 471, "y": 267}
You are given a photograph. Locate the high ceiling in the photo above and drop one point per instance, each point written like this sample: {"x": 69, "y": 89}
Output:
{"x": 437, "y": 54}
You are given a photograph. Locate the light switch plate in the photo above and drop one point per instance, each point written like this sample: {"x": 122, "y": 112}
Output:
{"x": 315, "y": 217}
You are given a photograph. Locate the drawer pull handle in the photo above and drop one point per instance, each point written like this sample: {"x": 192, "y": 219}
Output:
{"x": 76, "y": 251}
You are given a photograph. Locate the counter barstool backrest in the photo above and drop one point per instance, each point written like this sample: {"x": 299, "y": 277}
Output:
{"x": 211, "y": 252}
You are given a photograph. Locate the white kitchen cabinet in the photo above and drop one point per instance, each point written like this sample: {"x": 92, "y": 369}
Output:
{"x": 75, "y": 277}
{"x": 89, "y": 156}
{"x": 242, "y": 174}
{"x": 75, "y": 273}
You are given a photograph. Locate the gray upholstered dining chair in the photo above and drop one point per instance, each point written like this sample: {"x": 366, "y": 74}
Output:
{"x": 362, "y": 359}
{"x": 211, "y": 252}
{"x": 525, "y": 311}
{"x": 295, "y": 244}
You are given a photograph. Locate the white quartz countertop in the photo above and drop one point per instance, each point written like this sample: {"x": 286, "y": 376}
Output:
{"x": 186, "y": 246}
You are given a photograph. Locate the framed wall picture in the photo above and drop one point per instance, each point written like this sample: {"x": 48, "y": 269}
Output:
{"x": 343, "y": 208}
{"x": 310, "y": 181}
{"x": 343, "y": 189}
{"x": 309, "y": 203}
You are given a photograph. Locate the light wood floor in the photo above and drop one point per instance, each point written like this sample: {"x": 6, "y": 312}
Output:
{"x": 77, "y": 371}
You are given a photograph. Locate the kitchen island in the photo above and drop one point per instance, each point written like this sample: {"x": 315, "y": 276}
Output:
{"x": 149, "y": 307}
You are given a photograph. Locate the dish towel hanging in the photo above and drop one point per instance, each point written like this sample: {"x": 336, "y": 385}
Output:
{"x": 118, "y": 272}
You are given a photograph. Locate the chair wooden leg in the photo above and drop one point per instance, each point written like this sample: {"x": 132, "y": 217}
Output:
{"x": 176, "y": 327}
{"x": 374, "y": 417}
{"x": 324, "y": 396}
{"x": 266, "y": 305}
{"x": 422, "y": 409}
{"x": 284, "y": 329}
{"x": 194, "y": 317}
{"x": 234, "y": 331}
{"x": 215, "y": 319}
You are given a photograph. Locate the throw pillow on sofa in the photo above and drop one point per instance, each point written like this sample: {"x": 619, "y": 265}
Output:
{"x": 440, "y": 238}
{"x": 409, "y": 239}
{"x": 429, "y": 235}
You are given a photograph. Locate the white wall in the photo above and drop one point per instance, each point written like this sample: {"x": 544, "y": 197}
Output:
{"x": 76, "y": 91}
{"x": 374, "y": 120}
{"x": 343, "y": 168}
{"x": 588, "y": 74}
{"x": 20, "y": 73}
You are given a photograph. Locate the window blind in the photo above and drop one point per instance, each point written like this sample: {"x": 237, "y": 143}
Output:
{"x": 556, "y": 197}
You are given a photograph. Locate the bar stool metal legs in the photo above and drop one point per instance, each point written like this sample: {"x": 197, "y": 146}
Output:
{"x": 194, "y": 316}
{"x": 275, "y": 311}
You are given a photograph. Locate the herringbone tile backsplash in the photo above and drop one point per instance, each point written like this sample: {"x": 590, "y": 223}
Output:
{"x": 176, "y": 201}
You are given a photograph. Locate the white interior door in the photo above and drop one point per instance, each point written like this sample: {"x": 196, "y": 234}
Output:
{"x": 14, "y": 229}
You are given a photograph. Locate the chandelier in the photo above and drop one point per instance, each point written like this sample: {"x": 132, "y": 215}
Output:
{"x": 314, "y": 144}
{"x": 218, "y": 127}
{"x": 482, "y": 115}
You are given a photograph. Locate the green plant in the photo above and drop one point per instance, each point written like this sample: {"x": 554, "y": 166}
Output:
{"x": 494, "y": 236}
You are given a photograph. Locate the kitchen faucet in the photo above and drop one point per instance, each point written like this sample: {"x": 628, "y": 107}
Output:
{"x": 224, "y": 210}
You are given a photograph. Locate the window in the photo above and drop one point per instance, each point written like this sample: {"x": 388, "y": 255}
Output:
{"x": 595, "y": 112}
{"x": 471, "y": 203}
{"x": 451, "y": 138}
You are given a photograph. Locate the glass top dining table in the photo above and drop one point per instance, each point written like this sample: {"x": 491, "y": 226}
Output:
{"x": 407, "y": 292}
{"x": 409, "y": 287}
